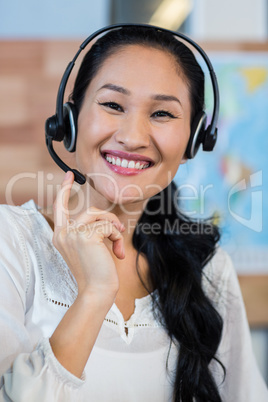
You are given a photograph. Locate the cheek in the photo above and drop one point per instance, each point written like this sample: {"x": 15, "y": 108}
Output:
{"x": 93, "y": 127}
{"x": 88, "y": 130}
{"x": 173, "y": 149}
{"x": 107, "y": 186}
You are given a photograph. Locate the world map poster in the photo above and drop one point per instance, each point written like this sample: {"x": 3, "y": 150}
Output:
{"x": 230, "y": 184}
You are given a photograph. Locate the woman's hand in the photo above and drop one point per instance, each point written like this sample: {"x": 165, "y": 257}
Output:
{"x": 81, "y": 243}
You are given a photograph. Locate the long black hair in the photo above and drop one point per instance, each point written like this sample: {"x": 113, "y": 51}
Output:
{"x": 177, "y": 253}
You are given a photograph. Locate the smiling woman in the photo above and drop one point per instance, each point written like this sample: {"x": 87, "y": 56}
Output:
{"x": 133, "y": 117}
{"x": 113, "y": 294}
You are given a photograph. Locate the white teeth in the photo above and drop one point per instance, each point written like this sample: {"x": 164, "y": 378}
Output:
{"x": 131, "y": 164}
{"x": 125, "y": 163}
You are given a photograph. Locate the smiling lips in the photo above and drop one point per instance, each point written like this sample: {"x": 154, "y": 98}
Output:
{"x": 126, "y": 163}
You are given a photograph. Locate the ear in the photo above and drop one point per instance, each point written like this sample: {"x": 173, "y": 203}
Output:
{"x": 183, "y": 160}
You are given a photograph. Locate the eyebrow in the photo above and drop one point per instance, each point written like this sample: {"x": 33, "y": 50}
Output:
{"x": 158, "y": 97}
{"x": 116, "y": 88}
{"x": 168, "y": 98}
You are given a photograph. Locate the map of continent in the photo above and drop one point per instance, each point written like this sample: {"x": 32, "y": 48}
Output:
{"x": 230, "y": 184}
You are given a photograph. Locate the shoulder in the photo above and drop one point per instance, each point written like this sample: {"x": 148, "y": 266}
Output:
{"x": 219, "y": 267}
{"x": 219, "y": 277}
{"x": 19, "y": 214}
{"x": 14, "y": 220}
{"x": 18, "y": 224}
{"x": 12, "y": 215}
{"x": 29, "y": 258}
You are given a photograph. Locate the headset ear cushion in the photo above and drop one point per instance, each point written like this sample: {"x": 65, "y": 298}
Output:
{"x": 70, "y": 126}
{"x": 197, "y": 134}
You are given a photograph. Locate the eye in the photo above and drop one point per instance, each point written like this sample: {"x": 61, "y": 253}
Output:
{"x": 112, "y": 105}
{"x": 163, "y": 113}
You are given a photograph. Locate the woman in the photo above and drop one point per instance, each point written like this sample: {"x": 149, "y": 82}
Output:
{"x": 114, "y": 295}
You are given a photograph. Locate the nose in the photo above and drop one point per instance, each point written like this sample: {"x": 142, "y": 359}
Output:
{"x": 134, "y": 132}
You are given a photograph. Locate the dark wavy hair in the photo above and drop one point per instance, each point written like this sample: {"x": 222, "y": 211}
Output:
{"x": 182, "y": 247}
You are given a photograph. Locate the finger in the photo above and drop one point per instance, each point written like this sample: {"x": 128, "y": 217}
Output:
{"x": 118, "y": 243}
{"x": 119, "y": 249}
{"x": 98, "y": 229}
{"x": 61, "y": 210}
{"x": 103, "y": 229}
{"x": 93, "y": 214}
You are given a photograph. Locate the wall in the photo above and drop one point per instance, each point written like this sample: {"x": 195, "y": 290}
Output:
{"x": 52, "y": 19}
{"x": 229, "y": 20}
{"x": 37, "y": 42}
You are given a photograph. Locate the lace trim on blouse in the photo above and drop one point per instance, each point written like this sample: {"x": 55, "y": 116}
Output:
{"x": 59, "y": 286}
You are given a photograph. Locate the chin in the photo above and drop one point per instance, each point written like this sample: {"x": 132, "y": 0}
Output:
{"x": 127, "y": 202}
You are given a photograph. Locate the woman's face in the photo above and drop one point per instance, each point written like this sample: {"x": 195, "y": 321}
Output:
{"x": 134, "y": 125}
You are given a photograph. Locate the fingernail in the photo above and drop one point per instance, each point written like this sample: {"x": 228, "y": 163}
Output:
{"x": 67, "y": 175}
{"x": 120, "y": 226}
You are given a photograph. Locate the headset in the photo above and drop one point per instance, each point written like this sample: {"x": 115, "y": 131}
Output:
{"x": 62, "y": 126}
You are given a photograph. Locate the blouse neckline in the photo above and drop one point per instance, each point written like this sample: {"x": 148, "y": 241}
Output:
{"x": 143, "y": 313}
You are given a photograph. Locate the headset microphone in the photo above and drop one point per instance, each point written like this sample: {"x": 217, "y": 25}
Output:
{"x": 63, "y": 125}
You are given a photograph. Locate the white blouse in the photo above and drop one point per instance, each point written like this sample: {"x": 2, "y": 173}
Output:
{"x": 36, "y": 289}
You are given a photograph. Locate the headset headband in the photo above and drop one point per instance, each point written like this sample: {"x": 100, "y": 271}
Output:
{"x": 55, "y": 124}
